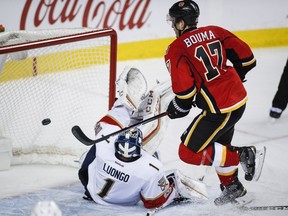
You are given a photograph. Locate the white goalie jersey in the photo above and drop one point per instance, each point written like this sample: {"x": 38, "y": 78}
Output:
{"x": 112, "y": 181}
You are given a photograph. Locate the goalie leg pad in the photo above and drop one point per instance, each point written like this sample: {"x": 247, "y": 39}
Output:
{"x": 187, "y": 187}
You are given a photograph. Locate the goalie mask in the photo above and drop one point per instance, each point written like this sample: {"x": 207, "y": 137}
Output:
{"x": 131, "y": 87}
{"x": 128, "y": 145}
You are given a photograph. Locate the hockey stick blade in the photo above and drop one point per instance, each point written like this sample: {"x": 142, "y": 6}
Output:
{"x": 78, "y": 133}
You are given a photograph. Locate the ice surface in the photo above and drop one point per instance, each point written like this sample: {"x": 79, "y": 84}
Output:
{"x": 23, "y": 186}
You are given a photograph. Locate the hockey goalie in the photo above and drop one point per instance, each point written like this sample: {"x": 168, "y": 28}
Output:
{"x": 124, "y": 169}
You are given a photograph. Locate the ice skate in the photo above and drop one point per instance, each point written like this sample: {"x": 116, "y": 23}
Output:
{"x": 275, "y": 112}
{"x": 247, "y": 157}
{"x": 230, "y": 193}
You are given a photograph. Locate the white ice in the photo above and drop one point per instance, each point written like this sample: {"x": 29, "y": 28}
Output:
{"x": 23, "y": 185}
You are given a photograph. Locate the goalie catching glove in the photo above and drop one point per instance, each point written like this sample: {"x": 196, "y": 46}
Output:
{"x": 131, "y": 87}
{"x": 179, "y": 108}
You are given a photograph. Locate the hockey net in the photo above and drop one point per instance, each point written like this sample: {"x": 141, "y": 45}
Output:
{"x": 67, "y": 76}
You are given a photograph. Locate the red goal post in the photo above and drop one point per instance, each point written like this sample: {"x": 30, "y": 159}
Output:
{"x": 66, "y": 75}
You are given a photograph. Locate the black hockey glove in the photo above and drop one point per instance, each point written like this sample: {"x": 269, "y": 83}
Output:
{"x": 176, "y": 109}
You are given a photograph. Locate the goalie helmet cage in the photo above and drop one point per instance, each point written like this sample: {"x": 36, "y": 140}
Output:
{"x": 65, "y": 75}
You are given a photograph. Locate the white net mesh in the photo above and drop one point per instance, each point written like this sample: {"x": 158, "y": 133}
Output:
{"x": 67, "y": 83}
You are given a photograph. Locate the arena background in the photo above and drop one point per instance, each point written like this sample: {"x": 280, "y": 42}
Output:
{"x": 142, "y": 23}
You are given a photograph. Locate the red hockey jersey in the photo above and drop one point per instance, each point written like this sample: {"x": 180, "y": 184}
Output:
{"x": 197, "y": 63}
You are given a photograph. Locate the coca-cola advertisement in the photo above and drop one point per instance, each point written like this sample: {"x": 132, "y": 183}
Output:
{"x": 136, "y": 20}
{"x": 98, "y": 14}
{"x": 130, "y": 18}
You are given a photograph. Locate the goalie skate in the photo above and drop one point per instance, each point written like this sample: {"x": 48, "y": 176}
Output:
{"x": 260, "y": 158}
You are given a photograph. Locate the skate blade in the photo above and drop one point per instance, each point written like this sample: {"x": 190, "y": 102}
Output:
{"x": 260, "y": 158}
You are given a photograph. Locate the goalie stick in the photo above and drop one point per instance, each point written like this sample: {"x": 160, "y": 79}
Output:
{"x": 78, "y": 133}
{"x": 153, "y": 211}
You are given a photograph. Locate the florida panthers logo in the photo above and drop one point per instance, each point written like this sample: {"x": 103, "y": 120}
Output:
{"x": 162, "y": 183}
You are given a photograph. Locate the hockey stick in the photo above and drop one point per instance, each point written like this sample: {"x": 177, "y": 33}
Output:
{"x": 78, "y": 133}
{"x": 264, "y": 208}
{"x": 153, "y": 211}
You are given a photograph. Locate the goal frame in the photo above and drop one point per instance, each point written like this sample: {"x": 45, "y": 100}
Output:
{"x": 74, "y": 38}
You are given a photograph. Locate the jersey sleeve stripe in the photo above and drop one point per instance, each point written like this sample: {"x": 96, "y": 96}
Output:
{"x": 110, "y": 120}
{"x": 188, "y": 95}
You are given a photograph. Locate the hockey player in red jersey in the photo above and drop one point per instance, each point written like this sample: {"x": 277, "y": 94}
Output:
{"x": 122, "y": 169}
{"x": 200, "y": 75}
